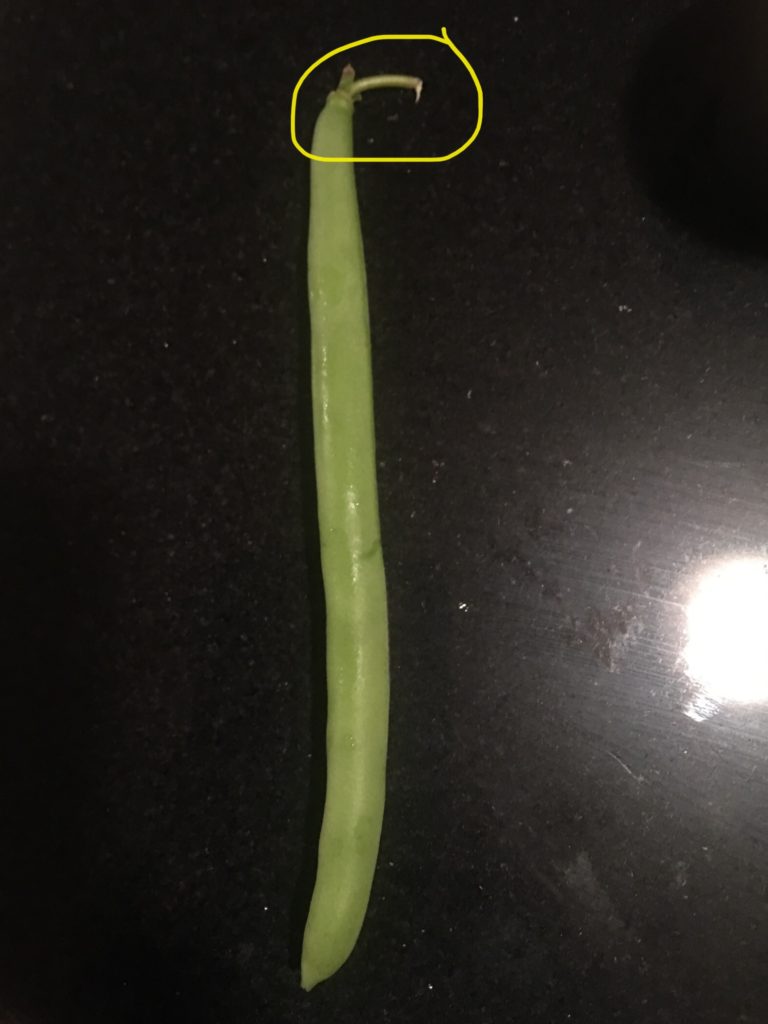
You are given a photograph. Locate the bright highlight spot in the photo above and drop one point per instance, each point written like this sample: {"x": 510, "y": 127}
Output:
{"x": 727, "y": 649}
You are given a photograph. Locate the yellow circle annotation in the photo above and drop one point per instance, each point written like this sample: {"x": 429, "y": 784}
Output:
{"x": 444, "y": 40}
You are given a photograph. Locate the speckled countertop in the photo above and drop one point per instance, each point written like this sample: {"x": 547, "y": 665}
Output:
{"x": 569, "y": 327}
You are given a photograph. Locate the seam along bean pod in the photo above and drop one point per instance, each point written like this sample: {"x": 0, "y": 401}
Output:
{"x": 357, "y": 644}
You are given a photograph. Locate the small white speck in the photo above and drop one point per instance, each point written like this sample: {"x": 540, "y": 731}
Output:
{"x": 463, "y": 606}
{"x": 469, "y": 393}
{"x": 625, "y": 309}
{"x": 430, "y": 987}
{"x": 370, "y": 141}
{"x": 569, "y": 511}
{"x": 234, "y": 341}
{"x": 566, "y": 463}
{"x": 516, "y": 19}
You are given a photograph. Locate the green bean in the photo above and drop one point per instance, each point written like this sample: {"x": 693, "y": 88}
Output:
{"x": 357, "y": 641}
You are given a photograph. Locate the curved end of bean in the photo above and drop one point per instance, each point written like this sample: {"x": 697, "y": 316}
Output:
{"x": 312, "y": 972}
{"x": 314, "y": 965}
{"x": 328, "y": 943}
{"x": 309, "y": 977}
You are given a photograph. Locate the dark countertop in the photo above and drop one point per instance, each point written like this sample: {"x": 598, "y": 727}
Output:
{"x": 572, "y": 409}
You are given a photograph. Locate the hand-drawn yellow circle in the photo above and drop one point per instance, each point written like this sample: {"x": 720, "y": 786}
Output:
{"x": 444, "y": 40}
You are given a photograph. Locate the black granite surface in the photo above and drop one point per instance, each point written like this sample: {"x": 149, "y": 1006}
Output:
{"x": 571, "y": 376}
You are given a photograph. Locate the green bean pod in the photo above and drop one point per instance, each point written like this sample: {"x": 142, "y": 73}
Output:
{"x": 357, "y": 655}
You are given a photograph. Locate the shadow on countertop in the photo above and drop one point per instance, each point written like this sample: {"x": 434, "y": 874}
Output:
{"x": 315, "y": 797}
{"x": 696, "y": 120}
{"x": 75, "y": 945}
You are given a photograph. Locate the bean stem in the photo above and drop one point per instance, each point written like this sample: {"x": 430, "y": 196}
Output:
{"x": 387, "y": 82}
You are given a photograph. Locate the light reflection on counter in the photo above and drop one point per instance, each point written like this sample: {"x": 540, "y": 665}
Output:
{"x": 726, "y": 654}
